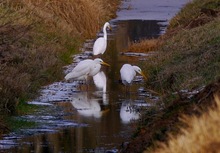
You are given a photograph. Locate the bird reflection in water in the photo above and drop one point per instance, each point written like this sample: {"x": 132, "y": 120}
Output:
{"x": 128, "y": 112}
{"x": 86, "y": 103}
{"x": 87, "y": 106}
{"x": 100, "y": 81}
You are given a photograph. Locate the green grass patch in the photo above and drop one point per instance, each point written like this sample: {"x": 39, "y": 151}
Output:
{"x": 193, "y": 11}
{"x": 24, "y": 108}
{"x": 16, "y": 123}
{"x": 66, "y": 57}
{"x": 188, "y": 59}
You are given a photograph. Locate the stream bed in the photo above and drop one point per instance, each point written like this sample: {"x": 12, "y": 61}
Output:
{"x": 73, "y": 118}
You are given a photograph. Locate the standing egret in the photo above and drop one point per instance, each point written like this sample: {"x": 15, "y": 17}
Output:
{"x": 86, "y": 68}
{"x": 101, "y": 43}
{"x": 128, "y": 72}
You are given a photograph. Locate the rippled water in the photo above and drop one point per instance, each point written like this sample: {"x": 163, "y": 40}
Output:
{"x": 74, "y": 119}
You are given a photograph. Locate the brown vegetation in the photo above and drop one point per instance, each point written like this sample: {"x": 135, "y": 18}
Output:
{"x": 145, "y": 45}
{"x": 82, "y": 17}
{"x": 201, "y": 134}
{"x": 27, "y": 61}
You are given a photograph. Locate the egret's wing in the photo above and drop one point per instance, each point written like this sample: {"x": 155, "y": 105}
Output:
{"x": 99, "y": 46}
{"x": 94, "y": 69}
{"x": 81, "y": 69}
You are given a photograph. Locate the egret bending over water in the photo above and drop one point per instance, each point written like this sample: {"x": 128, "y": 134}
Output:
{"x": 86, "y": 68}
{"x": 128, "y": 72}
{"x": 101, "y": 43}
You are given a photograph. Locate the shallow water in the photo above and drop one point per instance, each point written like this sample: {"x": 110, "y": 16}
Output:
{"x": 72, "y": 119}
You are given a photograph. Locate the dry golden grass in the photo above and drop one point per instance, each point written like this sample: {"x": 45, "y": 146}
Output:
{"x": 145, "y": 45}
{"x": 83, "y": 17}
{"x": 202, "y": 134}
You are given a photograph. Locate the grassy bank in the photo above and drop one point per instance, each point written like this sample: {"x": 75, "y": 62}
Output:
{"x": 185, "y": 72}
{"x": 37, "y": 38}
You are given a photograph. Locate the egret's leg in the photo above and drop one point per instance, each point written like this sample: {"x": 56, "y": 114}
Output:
{"x": 87, "y": 84}
{"x": 127, "y": 93}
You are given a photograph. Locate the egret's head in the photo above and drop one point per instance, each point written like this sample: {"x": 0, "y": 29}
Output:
{"x": 100, "y": 61}
{"x": 107, "y": 25}
{"x": 138, "y": 70}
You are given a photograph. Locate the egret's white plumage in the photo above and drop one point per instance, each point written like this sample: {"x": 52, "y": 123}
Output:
{"x": 85, "y": 68}
{"x": 128, "y": 72}
{"x": 100, "y": 44}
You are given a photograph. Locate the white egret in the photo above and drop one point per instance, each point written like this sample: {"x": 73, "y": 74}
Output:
{"x": 100, "y": 44}
{"x": 128, "y": 72}
{"x": 86, "y": 68}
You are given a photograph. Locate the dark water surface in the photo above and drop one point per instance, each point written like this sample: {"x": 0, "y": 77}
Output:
{"x": 71, "y": 119}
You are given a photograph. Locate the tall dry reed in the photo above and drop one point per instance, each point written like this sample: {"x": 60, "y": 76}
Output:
{"x": 81, "y": 17}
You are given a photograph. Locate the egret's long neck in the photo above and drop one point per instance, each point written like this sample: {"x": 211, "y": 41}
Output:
{"x": 105, "y": 32}
{"x": 135, "y": 69}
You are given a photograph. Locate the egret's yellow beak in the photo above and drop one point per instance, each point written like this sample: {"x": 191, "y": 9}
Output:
{"x": 106, "y": 64}
{"x": 143, "y": 75}
{"x": 110, "y": 28}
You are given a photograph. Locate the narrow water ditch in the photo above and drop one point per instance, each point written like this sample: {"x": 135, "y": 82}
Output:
{"x": 72, "y": 119}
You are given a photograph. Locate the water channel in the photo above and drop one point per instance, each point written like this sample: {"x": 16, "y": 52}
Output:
{"x": 73, "y": 119}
